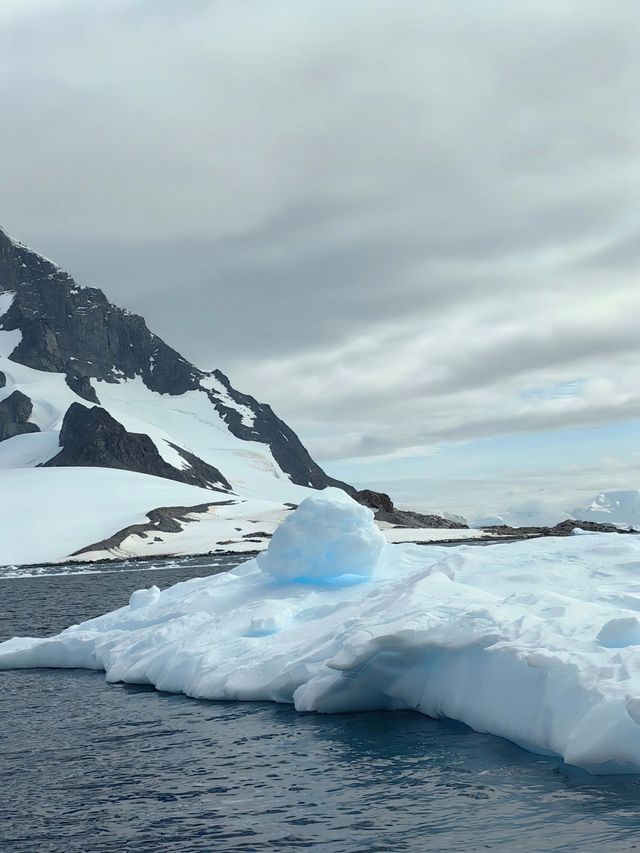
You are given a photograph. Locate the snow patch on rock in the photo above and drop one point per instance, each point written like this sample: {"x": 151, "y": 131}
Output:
{"x": 211, "y": 383}
{"x": 6, "y": 301}
{"x": 8, "y": 340}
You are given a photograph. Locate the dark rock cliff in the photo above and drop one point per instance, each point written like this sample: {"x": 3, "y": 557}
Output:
{"x": 71, "y": 329}
{"x": 15, "y": 411}
{"x": 90, "y": 437}
{"x": 288, "y": 451}
{"x": 76, "y": 331}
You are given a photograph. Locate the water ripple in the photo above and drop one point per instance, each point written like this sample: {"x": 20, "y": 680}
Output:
{"x": 90, "y": 767}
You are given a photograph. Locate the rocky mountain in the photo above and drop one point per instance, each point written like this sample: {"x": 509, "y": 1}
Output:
{"x": 86, "y": 383}
{"x": 615, "y": 507}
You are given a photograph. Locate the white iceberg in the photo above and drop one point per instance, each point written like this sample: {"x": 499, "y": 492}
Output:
{"x": 538, "y": 641}
{"x": 329, "y": 536}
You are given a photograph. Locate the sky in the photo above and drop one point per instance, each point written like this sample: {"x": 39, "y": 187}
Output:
{"x": 411, "y": 226}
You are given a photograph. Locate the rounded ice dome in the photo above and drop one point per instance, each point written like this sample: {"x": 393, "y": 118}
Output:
{"x": 328, "y": 536}
{"x": 144, "y": 597}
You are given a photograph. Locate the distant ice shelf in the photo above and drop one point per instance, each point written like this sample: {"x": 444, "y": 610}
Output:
{"x": 536, "y": 641}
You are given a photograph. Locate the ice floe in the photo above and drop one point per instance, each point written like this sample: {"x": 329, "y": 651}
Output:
{"x": 535, "y": 641}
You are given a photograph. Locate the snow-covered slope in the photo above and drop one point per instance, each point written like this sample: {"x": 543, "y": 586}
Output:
{"x": 65, "y": 349}
{"x": 188, "y": 420}
{"x": 613, "y": 507}
{"x": 49, "y": 513}
{"x": 61, "y": 343}
{"x": 535, "y": 641}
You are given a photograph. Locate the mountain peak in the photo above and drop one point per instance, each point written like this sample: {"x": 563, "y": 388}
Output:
{"x": 20, "y": 265}
{"x": 92, "y": 344}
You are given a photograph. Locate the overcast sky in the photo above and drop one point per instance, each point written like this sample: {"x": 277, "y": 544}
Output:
{"x": 412, "y": 227}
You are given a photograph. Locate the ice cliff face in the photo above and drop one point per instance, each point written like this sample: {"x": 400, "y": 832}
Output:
{"x": 54, "y": 332}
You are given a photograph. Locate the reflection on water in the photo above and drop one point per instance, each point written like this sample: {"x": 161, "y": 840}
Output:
{"x": 88, "y": 766}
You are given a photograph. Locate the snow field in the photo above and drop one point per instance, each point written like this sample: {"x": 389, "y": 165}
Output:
{"x": 189, "y": 421}
{"x": 48, "y": 513}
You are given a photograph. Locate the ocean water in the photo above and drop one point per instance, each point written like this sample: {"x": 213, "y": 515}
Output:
{"x": 95, "y": 767}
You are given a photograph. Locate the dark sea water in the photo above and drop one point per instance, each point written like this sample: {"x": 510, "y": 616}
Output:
{"x": 90, "y": 766}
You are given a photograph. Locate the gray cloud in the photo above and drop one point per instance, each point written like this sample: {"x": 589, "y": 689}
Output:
{"x": 392, "y": 216}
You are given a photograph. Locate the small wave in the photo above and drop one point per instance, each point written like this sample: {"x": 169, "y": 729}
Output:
{"x": 13, "y": 572}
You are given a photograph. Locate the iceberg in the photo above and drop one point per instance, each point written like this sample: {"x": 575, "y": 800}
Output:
{"x": 330, "y": 536}
{"x": 535, "y": 641}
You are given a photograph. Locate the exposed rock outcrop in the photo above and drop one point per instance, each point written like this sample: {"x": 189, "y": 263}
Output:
{"x": 81, "y": 385}
{"x": 563, "y": 528}
{"x": 384, "y": 510}
{"x": 165, "y": 519}
{"x": 91, "y": 437}
{"x": 378, "y": 501}
{"x": 15, "y": 411}
{"x": 266, "y": 427}
{"x": 70, "y": 328}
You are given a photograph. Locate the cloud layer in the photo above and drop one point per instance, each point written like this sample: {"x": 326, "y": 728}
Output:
{"x": 402, "y": 223}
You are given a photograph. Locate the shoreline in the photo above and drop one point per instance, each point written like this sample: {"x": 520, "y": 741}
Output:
{"x": 249, "y": 555}
{"x": 142, "y": 558}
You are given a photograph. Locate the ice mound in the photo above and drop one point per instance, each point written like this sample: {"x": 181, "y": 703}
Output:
{"x": 143, "y": 597}
{"x": 536, "y": 641}
{"x": 621, "y": 632}
{"x": 328, "y": 537}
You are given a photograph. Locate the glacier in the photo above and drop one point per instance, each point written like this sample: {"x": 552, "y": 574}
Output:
{"x": 535, "y": 641}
